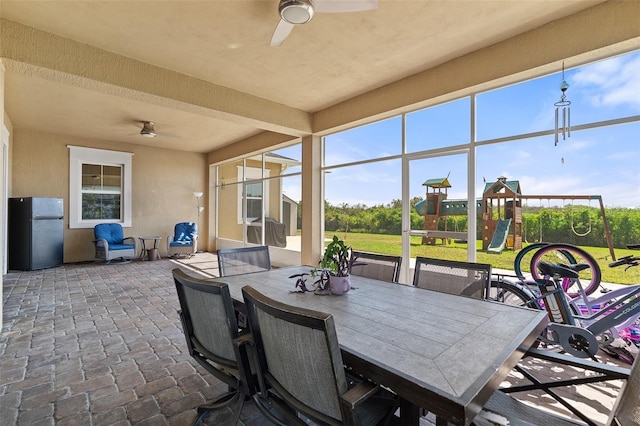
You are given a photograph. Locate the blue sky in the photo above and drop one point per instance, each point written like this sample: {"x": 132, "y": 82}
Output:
{"x": 602, "y": 162}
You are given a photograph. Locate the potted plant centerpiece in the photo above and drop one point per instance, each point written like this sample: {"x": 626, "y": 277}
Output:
{"x": 335, "y": 265}
{"x": 332, "y": 277}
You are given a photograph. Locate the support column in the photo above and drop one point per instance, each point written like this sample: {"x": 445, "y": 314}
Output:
{"x": 3, "y": 189}
{"x": 312, "y": 201}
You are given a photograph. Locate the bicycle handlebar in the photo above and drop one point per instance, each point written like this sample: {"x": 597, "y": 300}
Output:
{"x": 627, "y": 260}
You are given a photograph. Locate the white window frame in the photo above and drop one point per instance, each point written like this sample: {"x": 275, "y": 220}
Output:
{"x": 81, "y": 155}
{"x": 253, "y": 174}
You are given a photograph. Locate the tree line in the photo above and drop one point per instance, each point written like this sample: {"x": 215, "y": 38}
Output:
{"x": 579, "y": 225}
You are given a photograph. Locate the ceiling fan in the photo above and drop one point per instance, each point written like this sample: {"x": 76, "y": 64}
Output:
{"x": 297, "y": 12}
{"x": 148, "y": 129}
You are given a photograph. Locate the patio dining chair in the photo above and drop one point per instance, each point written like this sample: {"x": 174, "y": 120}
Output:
{"x": 625, "y": 412}
{"x": 243, "y": 260}
{"x": 213, "y": 339}
{"x": 377, "y": 266}
{"x": 300, "y": 369}
{"x": 453, "y": 277}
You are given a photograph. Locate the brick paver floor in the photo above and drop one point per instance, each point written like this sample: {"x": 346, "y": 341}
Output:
{"x": 92, "y": 344}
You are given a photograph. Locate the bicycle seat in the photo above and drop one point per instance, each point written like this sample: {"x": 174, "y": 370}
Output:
{"x": 576, "y": 266}
{"x": 550, "y": 269}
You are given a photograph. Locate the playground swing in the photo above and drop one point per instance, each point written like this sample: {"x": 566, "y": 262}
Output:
{"x": 588, "y": 230}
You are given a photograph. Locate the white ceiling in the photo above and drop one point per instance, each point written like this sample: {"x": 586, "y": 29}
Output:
{"x": 324, "y": 62}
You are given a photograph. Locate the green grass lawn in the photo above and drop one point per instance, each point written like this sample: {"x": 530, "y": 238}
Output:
{"x": 391, "y": 244}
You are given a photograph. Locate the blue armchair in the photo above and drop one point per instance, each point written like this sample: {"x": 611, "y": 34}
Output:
{"x": 184, "y": 241}
{"x": 111, "y": 244}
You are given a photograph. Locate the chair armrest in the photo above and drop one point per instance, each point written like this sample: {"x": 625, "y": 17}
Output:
{"x": 134, "y": 242}
{"x": 101, "y": 242}
{"x": 243, "y": 346}
{"x": 169, "y": 240}
{"x": 358, "y": 394}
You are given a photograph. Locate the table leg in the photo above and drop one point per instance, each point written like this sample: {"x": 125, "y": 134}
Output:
{"x": 409, "y": 413}
{"x": 440, "y": 421}
{"x": 156, "y": 245}
{"x": 143, "y": 250}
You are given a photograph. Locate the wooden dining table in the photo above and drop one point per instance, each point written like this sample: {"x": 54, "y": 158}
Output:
{"x": 440, "y": 352}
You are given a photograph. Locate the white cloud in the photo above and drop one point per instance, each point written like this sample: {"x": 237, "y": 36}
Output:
{"x": 578, "y": 144}
{"x": 599, "y": 73}
{"x": 611, "y": 82}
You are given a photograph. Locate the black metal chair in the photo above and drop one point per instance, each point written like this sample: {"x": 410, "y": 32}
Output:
{"x": 210, "y": 328}
{"x": 453, "y": 277}
{"x": 378, "y": 266}
{"x": 626, "y": 411}
{"x": 243, "y": 260}
{"x": 300, "y": 369}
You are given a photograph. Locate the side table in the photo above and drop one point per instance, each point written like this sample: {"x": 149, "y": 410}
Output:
{"x": 152, "y": 253}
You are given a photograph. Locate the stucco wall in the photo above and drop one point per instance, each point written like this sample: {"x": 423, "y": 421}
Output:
{"x": 163, "y": 185}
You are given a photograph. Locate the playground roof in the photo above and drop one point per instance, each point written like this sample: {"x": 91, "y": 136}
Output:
{"x": 437, "y": 183}
{"x": 495, "y": 187}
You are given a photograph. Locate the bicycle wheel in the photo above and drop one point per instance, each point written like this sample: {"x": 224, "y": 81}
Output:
{"x": 511, "y": 294}
{"x": 589, "y": 277}
{"x": 523, "y": 258}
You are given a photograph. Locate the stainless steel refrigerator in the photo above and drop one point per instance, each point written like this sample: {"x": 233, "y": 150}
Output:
{"x": 35, "y": 233}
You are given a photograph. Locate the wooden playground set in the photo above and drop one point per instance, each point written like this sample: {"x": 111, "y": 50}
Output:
{"x": 499, "y": 213}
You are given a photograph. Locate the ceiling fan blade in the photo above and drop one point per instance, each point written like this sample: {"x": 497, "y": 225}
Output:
{"x": 283, "y": 29}
{"x": 339, "y": 6}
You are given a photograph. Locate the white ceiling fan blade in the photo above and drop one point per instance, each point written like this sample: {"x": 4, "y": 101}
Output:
{"x": 339, "y": 6}
{"x": 283, "y": 29}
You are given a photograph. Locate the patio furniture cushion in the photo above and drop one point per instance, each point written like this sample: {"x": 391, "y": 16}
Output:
{"x": 115, "y": 247}
{"x": 110, "y": 243}
{"x": 184, "y": 233}
{"x": 184, "y": 241}
{"x": 113, "y": 234}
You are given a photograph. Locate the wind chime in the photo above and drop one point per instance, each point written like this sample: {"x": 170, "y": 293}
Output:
{"x": 566, "y": 112}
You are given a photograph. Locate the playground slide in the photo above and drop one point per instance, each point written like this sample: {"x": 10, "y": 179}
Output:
{"x": 499, "y": 239}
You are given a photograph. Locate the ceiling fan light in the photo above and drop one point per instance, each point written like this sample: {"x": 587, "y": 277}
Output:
{"x": 148, "y": 129}
{"x": 296, "y": 11}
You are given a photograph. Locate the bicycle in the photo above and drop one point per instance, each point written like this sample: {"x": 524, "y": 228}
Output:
{"x": 589, "y": 273}
{"x": 581, "y": 335}
{"x": 521, "y": 290}
{"x": 610, "y": 323}
{"x": 567, "y": 254}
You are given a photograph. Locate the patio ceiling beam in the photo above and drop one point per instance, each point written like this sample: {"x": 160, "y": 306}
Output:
{"x": 29, "y": 51}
